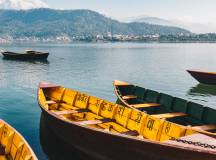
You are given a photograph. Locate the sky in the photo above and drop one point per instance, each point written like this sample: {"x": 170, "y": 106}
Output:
{"x": 197, "y": 16}
{"x": 202, "y": 11}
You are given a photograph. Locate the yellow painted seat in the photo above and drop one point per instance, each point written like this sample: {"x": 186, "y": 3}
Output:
{"x": 136, "y": 121}
{"x": 64, "y": 106}
{"x": 116, "y": 127}
{"x": 153, "y": 128}
{"x": 91, "y": 116}
{"x": 172, "y": 130}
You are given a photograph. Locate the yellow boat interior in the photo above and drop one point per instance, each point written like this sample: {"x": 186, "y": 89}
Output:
{"x": 12, "y": 144}
{"x": 85, "y": 110}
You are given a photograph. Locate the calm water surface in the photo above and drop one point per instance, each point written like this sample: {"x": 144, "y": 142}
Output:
{"x": 92, "y": 68}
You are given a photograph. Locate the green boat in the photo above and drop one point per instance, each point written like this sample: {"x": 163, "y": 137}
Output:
{"x": 164, "y": 106}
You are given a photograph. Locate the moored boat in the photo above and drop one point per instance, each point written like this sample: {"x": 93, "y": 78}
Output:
{"x": 204, "y": 77}
{"x": 12, "y": 145}
{"x": 164, "y": 106}
{"x": 28, "y": 55}
{"x": 106, "y": 130}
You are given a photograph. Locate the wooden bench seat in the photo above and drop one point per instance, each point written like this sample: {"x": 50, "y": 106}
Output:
{"x": 97, "y": 121}
{"x": 169, "y": 115}
{"x": 65, "y": 112}
{"x": 51, "y": 102}
{"x": 144, "y": 105}
{"x": 129, "y": 97}
{"x": 207, "y": 127}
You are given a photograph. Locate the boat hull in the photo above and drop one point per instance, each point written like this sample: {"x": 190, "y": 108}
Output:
{"x": 203, "y": 77}
{"x": 14, "y": 56}
{"x": 108, "y": 146}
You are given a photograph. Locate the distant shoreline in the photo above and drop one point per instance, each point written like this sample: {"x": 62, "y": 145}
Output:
{"x": 111, "y": 42}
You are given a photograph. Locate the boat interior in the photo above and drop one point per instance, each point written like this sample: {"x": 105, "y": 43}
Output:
{"x": 164, "y": 106}
{"x": 12, "y": 146}
{"x": 81, "y": 109}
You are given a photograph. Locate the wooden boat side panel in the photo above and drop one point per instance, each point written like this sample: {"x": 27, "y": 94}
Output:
{"x": 27, "y": 56}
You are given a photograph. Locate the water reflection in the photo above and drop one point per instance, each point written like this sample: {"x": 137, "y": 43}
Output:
{"x": 41, "y": 61}
{"x": 55, "y": 148}
{"x": 203, "y": 90}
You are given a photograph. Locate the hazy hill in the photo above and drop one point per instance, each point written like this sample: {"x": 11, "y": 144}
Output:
{"x": 192, "y": 26}
{"x": 153, "y": 20}
{"x": 51, "y": 23}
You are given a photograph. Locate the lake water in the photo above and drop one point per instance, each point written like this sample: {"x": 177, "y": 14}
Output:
{"x": 91, "y": 68}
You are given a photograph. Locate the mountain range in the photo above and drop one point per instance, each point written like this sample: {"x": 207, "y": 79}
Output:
{"x": 52, "y": 23}
{"x": 192, "y": 26}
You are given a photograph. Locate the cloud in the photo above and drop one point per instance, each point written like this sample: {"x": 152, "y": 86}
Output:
{"x": 22, "y": 4}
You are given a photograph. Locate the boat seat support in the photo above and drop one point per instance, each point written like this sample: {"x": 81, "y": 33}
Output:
{"x": 66, "y": 112}
{"x": 170, "y": 115}
{"x": 50, "y": 102}
{"x": 97, "y": 121}
{"x": 207, "y": 127}
{"x": 129, "y": 97}
{"x": 144, "y": 105}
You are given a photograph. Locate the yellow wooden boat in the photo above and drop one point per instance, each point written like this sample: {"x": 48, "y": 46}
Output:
{"x": 105, "y": 130}
{"x": 13, "y": 145}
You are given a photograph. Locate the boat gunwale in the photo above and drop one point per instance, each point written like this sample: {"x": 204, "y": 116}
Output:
{"x": 164, "y": 144}
{"x": 118, "y": 96}
{"x": 201, "y": 72}
{"x": 16, "y": 54}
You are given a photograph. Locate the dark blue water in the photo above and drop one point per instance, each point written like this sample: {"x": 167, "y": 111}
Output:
{"x": 92, "y": 68}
